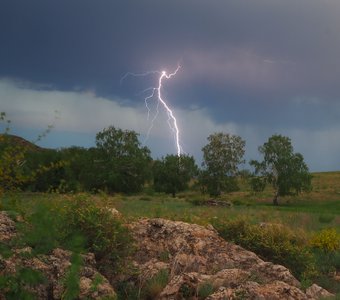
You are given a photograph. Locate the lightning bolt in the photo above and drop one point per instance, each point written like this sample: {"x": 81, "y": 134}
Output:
{"x": 156, "y": 92}
{"x": 170, "y": 113}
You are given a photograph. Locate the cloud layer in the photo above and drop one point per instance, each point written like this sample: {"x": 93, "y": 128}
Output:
{"x": 253, "y": 68}
{"x": 85, "y": 113}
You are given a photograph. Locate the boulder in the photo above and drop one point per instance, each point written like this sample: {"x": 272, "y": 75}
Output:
{"x": 53, "y": 269}
{"x": 114, "y": 212}
{"x": 197, "y": 256}
{"x": 317, "y": 292}
{"x": 7, "y": 227}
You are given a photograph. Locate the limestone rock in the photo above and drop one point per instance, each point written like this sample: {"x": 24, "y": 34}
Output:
{"x": 197, "y": 256}
{"x": 277, "y": 290}
{"x": 54, "y": 268}
{"x": 318, "y": 292}
{"x": 7, "y": 227}
{"x": 114, "y": 212}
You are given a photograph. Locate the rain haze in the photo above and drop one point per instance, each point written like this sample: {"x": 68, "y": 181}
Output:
{"x": 251, "y": 68}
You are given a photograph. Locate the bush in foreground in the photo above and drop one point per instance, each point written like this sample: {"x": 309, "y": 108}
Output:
{"x": 78, "y": 224}
{"x": 272, "y": 242}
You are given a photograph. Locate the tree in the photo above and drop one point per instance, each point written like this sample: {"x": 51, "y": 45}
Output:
{"x": 25, "y": 165}
{"x": 281, "y": 167}
{"x": 12, "y": 159}
{"x": 173, "y": 173}
{"x": 46, "y": 168}
{"x": 221, "y": 158}
{"x": 77, "y": 161}
{"x": 124, "y": 164}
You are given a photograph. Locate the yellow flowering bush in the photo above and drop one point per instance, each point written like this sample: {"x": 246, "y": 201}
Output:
{"x": 327, "y": 240}
{"x": 273, "y": 242}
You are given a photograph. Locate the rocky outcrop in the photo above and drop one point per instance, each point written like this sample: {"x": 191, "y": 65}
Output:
{"x": 196, "y": 257}
{"x": 199, "y": 264}
{"x": 318, "y": 292}
{"x": 7, "y": 227}
{"x": 276, "y": 290}
{"x": 44, "y": 276}
{"x": 54, "y": 269}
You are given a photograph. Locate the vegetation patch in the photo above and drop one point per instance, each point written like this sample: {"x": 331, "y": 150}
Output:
{"x": 119, "y": 164}
{"x": 272, "y": 242}
{"x": 205, "y": 290}
{"x": 16, "y": 286}
{"x": 327, "y": 240}
{"x": 154, "y": 286}
{"x": 71, "y": 280}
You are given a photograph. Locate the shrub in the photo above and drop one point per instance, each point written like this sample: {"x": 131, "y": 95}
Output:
{"x": 326, "y": 218}
{"x": 71, "y": 280}
{"x": 103, "y": 233}
{"x": 327, "y": 262}
{"x": 127, "y": 290}
{"x": 257, "y": 184}
{"x": 42, "y": 231}
{"x": 77, "y": 224}
{"x": 155, "y": 285}
{"x": 327, "y": 240}
{"x": 145, "y": 198}
{"x": 98, "y": 279}
{"x": 205, "y": 290}
{"x": 17, "y": 285}
{"x": 197, "y": 201}
{"x": 273, "y": 242}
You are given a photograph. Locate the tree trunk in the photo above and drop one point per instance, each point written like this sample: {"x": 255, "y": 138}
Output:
{"x": 276, "y": 199}
{"x": 218, "y": 189}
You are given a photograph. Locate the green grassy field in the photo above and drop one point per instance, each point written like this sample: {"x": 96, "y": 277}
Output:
{"x": 310, "y": 211}
{"x": 302, "y": 217}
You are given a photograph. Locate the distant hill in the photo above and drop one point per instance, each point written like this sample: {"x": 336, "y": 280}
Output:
{"x": 9, "y": 139}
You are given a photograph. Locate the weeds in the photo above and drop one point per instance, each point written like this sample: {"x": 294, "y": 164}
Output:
{"x": 326, "y": 218}
{"x": 98, "y": 279}
{"x": 77, "y": 224}
{"x": 154, "y": 286}
{"x": 205, "y": 290}
{"x": 71, "y": 280}
{"x": 17, "y": 286}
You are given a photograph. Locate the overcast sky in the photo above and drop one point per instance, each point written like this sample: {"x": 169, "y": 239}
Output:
{"x": 248, "y": 67}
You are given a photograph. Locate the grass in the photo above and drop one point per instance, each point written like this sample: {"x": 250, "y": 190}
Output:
{"x": 309, "y": 212}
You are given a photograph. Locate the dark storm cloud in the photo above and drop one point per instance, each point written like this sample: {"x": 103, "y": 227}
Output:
{"x": 260, "y": 45}
{"x": 87, "y": 41}
{"x": 260, "y": 63}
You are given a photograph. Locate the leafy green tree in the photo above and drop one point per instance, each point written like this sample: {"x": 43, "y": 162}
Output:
{"x": 23, "y": 164}
{"x": 77, "y": 169}
{"x": 221, "y": 158}
{"x": 124, "y": 165}
{"x": 47, "y": 169}
{"x": 172, "y": 173}
{"x": 12, "y": 160}
{"x": 93, "y": 172}
{"x": 281, "y": 167}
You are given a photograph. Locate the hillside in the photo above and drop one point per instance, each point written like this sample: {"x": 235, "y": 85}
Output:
{"x": 14, "y": 140}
